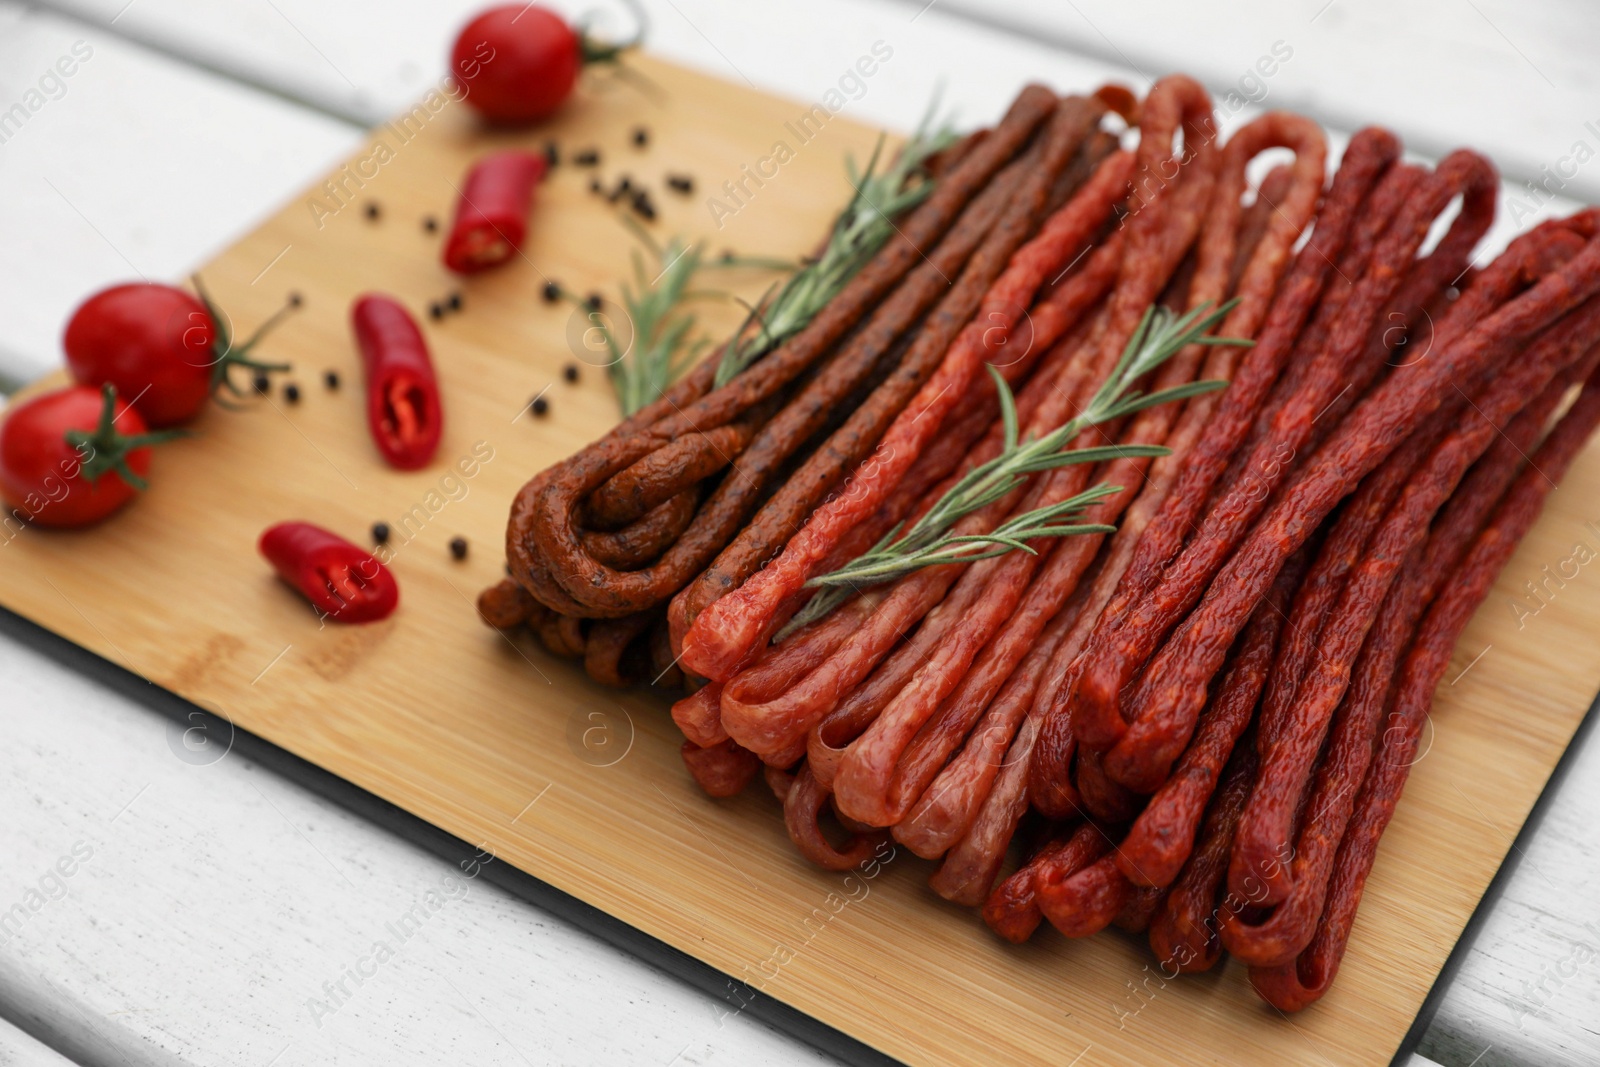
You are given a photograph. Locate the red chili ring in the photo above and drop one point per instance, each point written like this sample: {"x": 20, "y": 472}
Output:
{"x": 492, "y": 213}
{"x": 344, "y": 582}
{"x": 403, "y": 409}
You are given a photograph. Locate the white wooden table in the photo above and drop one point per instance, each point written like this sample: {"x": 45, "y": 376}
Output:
{"x": 214, "y": 888}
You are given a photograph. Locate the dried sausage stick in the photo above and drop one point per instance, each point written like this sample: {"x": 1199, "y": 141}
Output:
{"x": 819, "y": 399}
{"x": 868, "y": 785}
{"x": 1012, "y": 911}
{"x": 671, "y": 469}
{"x": 1363, "y": 440}
{"x": 766, "y": 716}
{"x": 1162, "y": 838}
{"x": 801, "y": 810}
{"x": 732, "y": 627}
{"x": 1280, "y": 937}
{"x": 937, "y": 739}
{"x": 1083, "y": 902}
{"x": 947, "y": 806}
{"x": 1275, "y": 452}
{"x": 721, "y": 770}
{"x": 920, "y": 229}
{"x": 1184, "y": 933}
{"x": 1369, "y": 153}
{"x": 1288, "y": 760}
{"x": 605, "y": 591}
{"x": 1299, "y": 982}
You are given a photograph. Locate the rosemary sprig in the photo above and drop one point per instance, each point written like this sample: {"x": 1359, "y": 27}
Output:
{"x": 1159, "y": 336}
{"x": 860, "y": 230}
{"x": 642, "y": 366}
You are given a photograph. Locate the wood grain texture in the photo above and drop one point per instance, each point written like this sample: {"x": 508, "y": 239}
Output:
{"x": 486, "y": 738}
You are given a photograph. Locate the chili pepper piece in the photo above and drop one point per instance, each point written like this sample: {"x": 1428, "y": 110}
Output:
{"x": 343, "y": 582}
{"x": 403, "y": 409}
{"x": 492, "y": 215}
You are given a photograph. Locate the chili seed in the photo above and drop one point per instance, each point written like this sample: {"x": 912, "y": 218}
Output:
{"x": 589, "y": 157}
{"x": 458, "y": 547}
{"x": 570, "y": 372}
{"x": 552, "y": 153}
{"x": 430, "y": 224}
{"x": 455, "y": 301}
{"x": 380, "y": 533}
{"x": 540, "y": 406}
{"x": 641, "y": 136}
{"x": 372, "y": 210}
{"x": 680, "y": 183}
{"x": 436, "y": 310}
{"x": 331, "y": 379}
{"x": 262, "y": 383}
{"x": 291, "y": 393}
{"x": 551, "y": 292}
{"x": 593, "y": 301}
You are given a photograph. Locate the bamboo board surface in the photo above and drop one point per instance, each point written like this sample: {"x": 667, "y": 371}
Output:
{"x": 581, "y": 786}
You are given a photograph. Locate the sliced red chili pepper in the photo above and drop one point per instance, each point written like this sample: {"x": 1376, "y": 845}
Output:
{"x": 403, "y": 409}
{"x": 492, "y": 214}
{"x": 344, "y": 582}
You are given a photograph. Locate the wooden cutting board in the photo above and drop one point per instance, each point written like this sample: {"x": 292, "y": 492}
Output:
{"x": 498, "y": 743}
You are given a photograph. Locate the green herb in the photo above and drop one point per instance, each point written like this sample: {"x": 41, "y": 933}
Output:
{"x": 660, "y": 348}
{"x": 1159, "y": 336}
{"x": 859, "y": 231}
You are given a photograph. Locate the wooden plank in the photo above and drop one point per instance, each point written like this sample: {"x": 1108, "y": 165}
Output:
{"x": 219, "y": 895}
{"x": 1511, "y": 79}
{"x": 436, "y": 714}
{"x": 179, "y": 190}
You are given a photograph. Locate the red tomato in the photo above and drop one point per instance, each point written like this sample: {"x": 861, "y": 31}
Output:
{"x": 72, "y": 457}
{"x": 164, "y": 349}
{"x": 153, "y": 342}
{"x": 519, "y": 62}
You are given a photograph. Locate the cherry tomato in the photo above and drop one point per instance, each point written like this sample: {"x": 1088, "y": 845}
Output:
{"x": 73, "y": 456}
{"x": 519, "y": 62}
{"x": 164, "y": 349}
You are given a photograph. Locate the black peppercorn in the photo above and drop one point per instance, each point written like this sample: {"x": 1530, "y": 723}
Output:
{"x": 552, "y": 153}
{"x": 570, "y": 372}
{"x": 436, "y": 310}
{"x": 295, "y": 300}
{"x": 430, "y": 224}
{"x": 291, "y": 393}
{"x": 551, "y": 292}
{"x": 458, "y": 547}
{"x": 540, "y": 406}
{"x": 372, "y": 210}
{"x": 589, "y": 157}
{"x": 593, "y": 301}
{"x": 643, "y": 206}
{"x": 380, "y": 533}
{"x": 262, "y": 383}
{"x": 595, "y": 186}
{"x": 641, "y": 136}
{"x": 331, "y": 379}
{"x": 680, "y": 183}
{"x": 455, "y": 301}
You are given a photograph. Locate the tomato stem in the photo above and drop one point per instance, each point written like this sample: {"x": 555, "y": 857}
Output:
{"x": 226, "y": 355}
{"x": 106, "y": 449}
